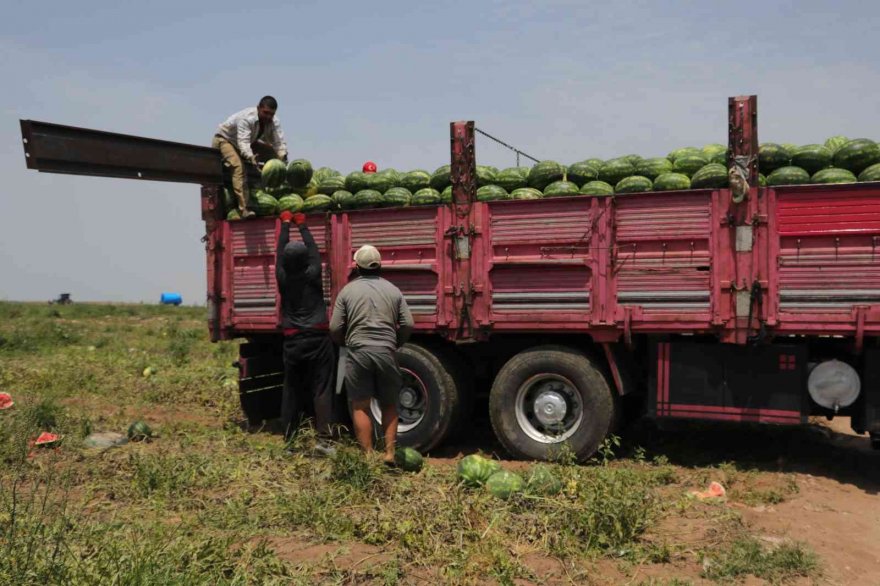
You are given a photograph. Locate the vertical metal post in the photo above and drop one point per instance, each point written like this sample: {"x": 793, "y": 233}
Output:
{"x": 212, "y": 212}
{"x": 463, "y": 172}
{"x": 748, "y": 222}
{"x": 742, "y": 118}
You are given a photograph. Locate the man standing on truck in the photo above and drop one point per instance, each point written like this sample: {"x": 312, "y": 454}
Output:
{"x": 309, "y": 355}
{"x": 253, "y": 135}
{"x": 372, "y": 320}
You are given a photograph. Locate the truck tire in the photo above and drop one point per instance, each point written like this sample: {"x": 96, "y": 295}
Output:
{"x": 428, "y": 400}
{"x": 549, "y": 396}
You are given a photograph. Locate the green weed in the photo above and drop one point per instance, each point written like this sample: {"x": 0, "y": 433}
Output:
{"x": 747, "y": 556}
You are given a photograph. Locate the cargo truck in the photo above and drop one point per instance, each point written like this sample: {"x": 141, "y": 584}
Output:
{"x": 742, "y": 304}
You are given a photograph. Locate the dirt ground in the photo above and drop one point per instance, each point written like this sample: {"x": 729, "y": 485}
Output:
{"x": 835, "y": 509}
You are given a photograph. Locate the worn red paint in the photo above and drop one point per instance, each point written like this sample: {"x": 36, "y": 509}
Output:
{"x": 539, "y": 265}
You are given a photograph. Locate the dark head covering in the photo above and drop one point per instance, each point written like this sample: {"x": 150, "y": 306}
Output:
{"x": 294, "y": 257}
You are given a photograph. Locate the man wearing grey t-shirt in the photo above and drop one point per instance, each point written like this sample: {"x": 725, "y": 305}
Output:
{"x": 371, "y": 319}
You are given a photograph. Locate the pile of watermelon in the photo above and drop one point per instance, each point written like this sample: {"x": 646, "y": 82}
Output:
{"x": 475, "y": 471}
{"x": 296, "y": 186}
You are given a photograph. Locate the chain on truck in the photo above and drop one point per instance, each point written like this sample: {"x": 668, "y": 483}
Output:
{"x": 743, "y": 304}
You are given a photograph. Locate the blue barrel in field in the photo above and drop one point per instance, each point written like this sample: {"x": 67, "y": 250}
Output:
{"x": 171, "y": 299}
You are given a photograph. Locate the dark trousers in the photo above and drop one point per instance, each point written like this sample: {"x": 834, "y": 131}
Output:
{"x": 309, "y": 369}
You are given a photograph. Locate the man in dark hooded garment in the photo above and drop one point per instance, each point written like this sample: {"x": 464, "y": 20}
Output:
{"x": 309, "y": 359}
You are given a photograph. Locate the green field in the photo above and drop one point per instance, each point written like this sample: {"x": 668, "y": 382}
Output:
{"x": 208, "y": 501}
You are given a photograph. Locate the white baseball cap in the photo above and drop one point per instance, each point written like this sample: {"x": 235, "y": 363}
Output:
{"x": 368, "y": 257}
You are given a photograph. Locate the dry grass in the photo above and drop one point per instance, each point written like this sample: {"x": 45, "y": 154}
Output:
{"x": 201, "y": 503}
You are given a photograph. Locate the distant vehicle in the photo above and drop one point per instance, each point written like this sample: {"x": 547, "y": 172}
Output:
{"x": 63, "y": 299}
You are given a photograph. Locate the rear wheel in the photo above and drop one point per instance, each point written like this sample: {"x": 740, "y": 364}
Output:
{"x": 547, "y": 397}
{"x": 428, "y": 401}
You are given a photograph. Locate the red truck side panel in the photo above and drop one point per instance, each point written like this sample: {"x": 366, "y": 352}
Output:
{"x": 676, "y": 262}
{"x": 663, "y": 259}
{"x": 538, "y": 263}
{"x": 414, "y": 256}
{"x": 827, "y": 248}
{"x": 252, "y": 305}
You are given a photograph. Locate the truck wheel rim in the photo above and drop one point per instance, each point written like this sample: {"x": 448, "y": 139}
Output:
{"x": 412, "y": 402}
{"x": 548, "y": 408}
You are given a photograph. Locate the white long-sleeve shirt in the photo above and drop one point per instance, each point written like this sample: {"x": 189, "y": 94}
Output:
{"x": 242, "y": 128}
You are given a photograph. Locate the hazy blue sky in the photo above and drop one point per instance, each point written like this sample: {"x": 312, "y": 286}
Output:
{"x": 382, "y": 80}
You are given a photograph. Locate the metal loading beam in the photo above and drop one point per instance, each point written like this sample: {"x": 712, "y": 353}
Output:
{"x": 54, "y": 148}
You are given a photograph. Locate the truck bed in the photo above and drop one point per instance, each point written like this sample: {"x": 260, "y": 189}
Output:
{"x": 671, "y": 262}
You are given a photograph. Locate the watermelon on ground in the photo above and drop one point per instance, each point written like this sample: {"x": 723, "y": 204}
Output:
{"x": 613, "y": 171}
{"x": 812, "y": 157}
{"x": 835, "y": 142}
{"x": 762, "y": 180}
{"x": 833, "y": 175}
{"x": 396, "y": 197}
{"x": 408, "y": 459}
{"x": 446, "y": 195}
{"x": 299, "y": 173}
{"x": 139, "y": 431}
{"x": 689, "y": 164}
{"x": 366, "y": 198}
{"x": 542, "y": 481}
{"x": 470, "y": 470}
{"x": 652, "y": 168}
{"x": 290, "y": 203}
{"x": 526, "y": 193}
{"x": 633, "y": 159}
{"x": 440, "y": 179}
{"x": 474, "y": 469}
{"x": 504, "y": 484}
{"x": 415, "y": 180}
{"x": 582, "y": 172}
{"x": 790, "y": 147}
{"x": 355, "y": 181}
{"x": 524, "y": 171}
{"x": 634, "y": 184}
{"x": 872, "y": 173}
{"x": 233, "y": 215}
{"x": 595, "y": 163}
{"x": 274, "y": 173}
{"x": 343, "y": 199}
{"x": 672, "y": 182}
{"x": 510, "y": 179}
{"x": 486, "y": 175}
{"x": 330, "y": 185}
{"x": 492, "y": 193}
{"x": 561, "y": 189}
{"x": 857, "y": 155}
{"x": 597, "y": 188}
{"x": 788, "y": 176}
{"x": 545, "y": 173}
{"x": 772, "y": 156}
{"x": 425, "y": 197}
{"x": 711, "y": 176}
{"x": 317, "y": 203}
{"x": 263, "y": 204}
{"x": 684, "y": 152}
